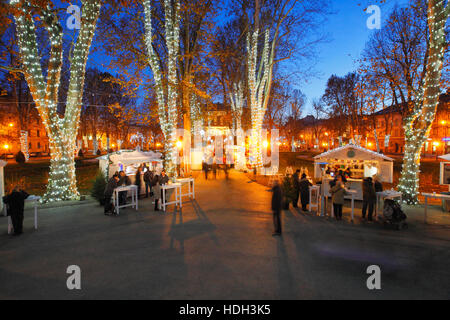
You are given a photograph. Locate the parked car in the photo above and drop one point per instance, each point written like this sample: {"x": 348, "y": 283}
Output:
{"x": 33, "y": 154}
{"x": 7, "y": 156}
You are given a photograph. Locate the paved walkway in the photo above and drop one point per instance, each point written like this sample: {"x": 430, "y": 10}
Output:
{"x": 219, "y": 247}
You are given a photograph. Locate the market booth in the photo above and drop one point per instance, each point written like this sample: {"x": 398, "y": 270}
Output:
{"x": 445, "y": 171}
{"x": 361, "y": 162}
{"x": 129, "y": 161}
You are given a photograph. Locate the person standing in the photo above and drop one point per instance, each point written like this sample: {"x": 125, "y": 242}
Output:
{"x": 377, "y": 184}
{"x": 304, "y": 185}
{"x": 295, "y": 183}
{"x": 163, "y": 179}
{"x": 338, "y": 193}
{"x": 214, "y": 169}
{"x": 138, "y": 181}
{"x": 156, "y": 192}
{"x": 205, "y": 169}
{"x": 277, "y": 199}
{"x": 148, "y": 178}
{"x": 369, "y": 198}
{"x": 109, "y": 191}
{"x": 15, "y": 202}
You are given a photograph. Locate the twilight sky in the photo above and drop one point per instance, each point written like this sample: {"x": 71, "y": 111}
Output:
{"x": 348, "y": 34}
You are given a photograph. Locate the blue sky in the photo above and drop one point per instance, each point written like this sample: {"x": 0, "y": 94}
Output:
{"x": 348, "y": 35}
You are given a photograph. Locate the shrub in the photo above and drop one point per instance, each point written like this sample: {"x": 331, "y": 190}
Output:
{"x": 98, "y": 189}
{"x": 20, "y": 157}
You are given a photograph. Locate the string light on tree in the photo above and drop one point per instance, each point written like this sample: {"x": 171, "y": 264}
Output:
{"x": 44, "y": 86}
{"x": 166, "y": 88}
{"x": 418, "y": 123}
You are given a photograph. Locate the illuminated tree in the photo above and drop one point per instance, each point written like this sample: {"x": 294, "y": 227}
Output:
{"x": 418, "y": 123}
{"x": 166, "y": 86}
{"x": 44, "y": 85}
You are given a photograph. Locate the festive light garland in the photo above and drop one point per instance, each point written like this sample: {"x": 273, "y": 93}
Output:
{"x": 418, "y": 123}
{"x": 24, "y": 144}
{"x": 166, "y": 96}
{"x": 61, "y": 132}
{"x": 258, "y": 82}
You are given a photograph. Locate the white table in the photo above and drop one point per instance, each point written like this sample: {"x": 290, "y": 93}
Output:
{"x": 188, "y": 181}
{"x": 434, "y": 196}
{"x": 134, "y": 197}
{"x": 35, "y": 201}
{"x": 177, "y": 201}
{"x": 387, "y": 194}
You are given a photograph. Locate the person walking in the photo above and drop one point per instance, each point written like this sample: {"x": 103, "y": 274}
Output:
{"x": 109, "y": 191}
{"x": 304, "y": 185}
{"x": 295, "y": 183}
{"x": 377, "y": 184}
{"x": 148, "y": 179}
{"x": 277, "y": 199}
{"x": 214, "y": 169}
{"x": 338, "y": 193}
{"x": 205, "y": 169}
{"x": 138, "y": 181}
{"x": 15, "y": 203}
{"x": 156, "y": 192}
{"x": 369, "y": 198}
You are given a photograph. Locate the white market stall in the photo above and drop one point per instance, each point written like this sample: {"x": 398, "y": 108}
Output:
{"x": 129, "y": 161}
{"x": 361, "y": 162}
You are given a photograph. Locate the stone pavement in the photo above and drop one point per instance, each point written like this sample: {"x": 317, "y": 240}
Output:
{"x": 219, "y": 247}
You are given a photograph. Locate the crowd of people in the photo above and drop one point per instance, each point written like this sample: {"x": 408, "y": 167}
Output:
{"x": 152, "y": 182}
{"x": 214, "y": 169}
{"x": 301, "y": 185}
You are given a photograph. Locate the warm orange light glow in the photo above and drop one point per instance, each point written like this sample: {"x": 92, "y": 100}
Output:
{"x": 324, "y": 144}
{"x": 370, "y": 144}
{"x": 436, "y": 143}
{"x": 326, "y": 133}
{"x": 265, "y": 144}
{"x": 443, "y": 122}
{"x": 11, "y": 124}
{"x": 113, "y": 145}
{"x": 6, "y": 146}
{"x": 179, "y": 144}
{"x": 158, "y": 144}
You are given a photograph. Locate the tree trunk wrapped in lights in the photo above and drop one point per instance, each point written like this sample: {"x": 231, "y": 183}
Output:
{"x": 418, "y": 124}
{"x": 61, "y": 131}
{"x": 259, "y": 88}
{"x": 237, "y": 105}
{"x": 166, "y": 89}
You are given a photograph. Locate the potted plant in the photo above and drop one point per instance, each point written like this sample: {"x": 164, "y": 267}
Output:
{"x": 288, "y": 192}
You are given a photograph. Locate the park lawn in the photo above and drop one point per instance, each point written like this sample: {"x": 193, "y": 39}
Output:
{"x": 34, "y": 175}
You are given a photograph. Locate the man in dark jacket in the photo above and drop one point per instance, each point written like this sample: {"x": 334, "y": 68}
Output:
{"x": 148, "y": 179}
{"x": 163, "y": 179}
{"x": 109, "y": 190}
{"x": 277, "y": 199}
{"x": 16, "y": 202}
{"x": 369, "y": 198}
{"x": 296, "y": 184}
{"x": 304, "y": 185}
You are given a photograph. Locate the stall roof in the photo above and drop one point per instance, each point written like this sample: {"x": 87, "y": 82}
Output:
{"x": 132, "y": 156}
{"x": 445, "y": 157}
{"x": 359, "y": 153}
